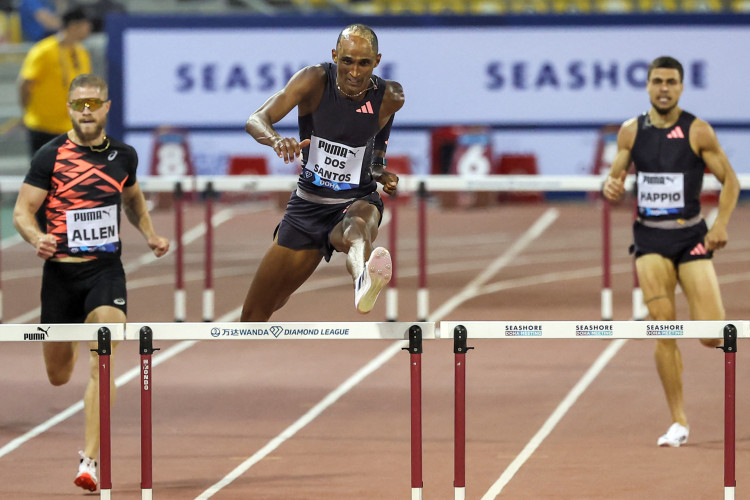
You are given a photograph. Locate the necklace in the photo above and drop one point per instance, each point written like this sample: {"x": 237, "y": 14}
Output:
{"x": 352, "y": 96}
{"x": 102, "y": 147}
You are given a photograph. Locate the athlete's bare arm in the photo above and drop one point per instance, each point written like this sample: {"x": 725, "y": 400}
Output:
{"x": 704, "y": 142}
{"x": 304, "y": 90}
{"x": 136, "y": 211}
{"x": 393, "y": 100}
{"x": 30, "y": 199}
{"x": 614, "y": 184}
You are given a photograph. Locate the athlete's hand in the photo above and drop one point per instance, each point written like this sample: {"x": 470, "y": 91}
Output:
{"x": 389, "y": 180}
{"x": 46, "y": 246}
{"x": 159, "y": 245}
{"x": 614, "y": 187}
{"x": 716, "y": 238}
{"x": 287, "y": 148}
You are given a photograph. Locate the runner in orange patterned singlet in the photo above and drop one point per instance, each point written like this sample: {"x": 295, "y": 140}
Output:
{"x": 77, "y": 183}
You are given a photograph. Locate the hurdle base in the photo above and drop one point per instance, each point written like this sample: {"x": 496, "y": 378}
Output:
{"x": 460, "y": 493}
{"x": 105, "y": 494}
{"x": 416, "y": 494}
{"x": 147, "y": 494}
{"x": 729, "y": 493}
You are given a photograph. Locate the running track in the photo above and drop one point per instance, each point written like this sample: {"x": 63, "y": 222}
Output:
{"x": 330, "y": 419}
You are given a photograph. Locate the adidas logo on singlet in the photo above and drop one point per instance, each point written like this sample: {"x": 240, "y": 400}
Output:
{"x": 676, "y": 133}
{"x": 366, "y": 109}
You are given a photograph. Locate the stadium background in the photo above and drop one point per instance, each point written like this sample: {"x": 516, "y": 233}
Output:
{"x": 216, "y": 406}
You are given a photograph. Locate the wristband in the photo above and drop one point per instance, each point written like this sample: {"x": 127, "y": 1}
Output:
{"x": 379, "y": 161}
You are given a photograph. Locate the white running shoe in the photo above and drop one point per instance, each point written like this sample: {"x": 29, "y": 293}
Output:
{"x": 676, "y": 436}
{"x": 375, "y": 275}
{"x": 86, "y": 477}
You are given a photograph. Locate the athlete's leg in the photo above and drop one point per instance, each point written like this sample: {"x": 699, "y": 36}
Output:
{"x": 658, "y": 279}
{"x": 371, "y": 269}
{"x": 59, "y": 360}
{"x": 102, "y": 314}
{"x": 701, "y": 287}
{"x": 355, "y": 234}
{"x": 281, "y": 272}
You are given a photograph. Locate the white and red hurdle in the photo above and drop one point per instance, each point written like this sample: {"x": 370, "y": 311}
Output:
{"x": 411, "y": 335}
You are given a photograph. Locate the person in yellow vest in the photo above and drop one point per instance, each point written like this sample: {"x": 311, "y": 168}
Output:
{"x": 49, "y": 67}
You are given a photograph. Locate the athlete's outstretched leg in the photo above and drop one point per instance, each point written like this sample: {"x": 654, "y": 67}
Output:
{"x": 371, "y": 269}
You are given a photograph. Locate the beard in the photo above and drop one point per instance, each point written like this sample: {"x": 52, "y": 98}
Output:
{"x": 662, "y": 111}
{"x": 93, "y": 130}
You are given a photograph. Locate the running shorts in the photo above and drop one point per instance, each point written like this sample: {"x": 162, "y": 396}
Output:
{"x": 308, "y": 225}
{"x": 70, "y": 291}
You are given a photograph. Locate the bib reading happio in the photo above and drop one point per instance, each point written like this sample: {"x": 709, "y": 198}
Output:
{"x": 661, "y": 194}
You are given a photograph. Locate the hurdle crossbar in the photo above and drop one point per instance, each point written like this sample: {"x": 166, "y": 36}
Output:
{"x": 280, "y": 331}
{"x": 61, "y": 332}
{"x": 413, "y": 332}
{"x": 729, "y": 331}
{"x": 596, "y": 329}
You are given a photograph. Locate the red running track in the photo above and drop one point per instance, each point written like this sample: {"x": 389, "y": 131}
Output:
{"x": 217, "y": 404}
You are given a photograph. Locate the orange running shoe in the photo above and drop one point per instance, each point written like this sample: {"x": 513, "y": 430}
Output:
{"x": 86, "y": 477}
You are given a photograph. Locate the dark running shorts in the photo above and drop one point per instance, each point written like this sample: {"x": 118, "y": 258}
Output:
{"x": 307, "y": 225}
{"x": 70, "y": 291}
{"x": 678, "y": 245}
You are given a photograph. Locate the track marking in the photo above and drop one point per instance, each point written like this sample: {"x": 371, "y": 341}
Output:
{"x": 470, "y": 290}
{"x": 557, "y": 415}
{"x": 305, "y": 419}
{"x": 537, "y": 228}
{"x": 144, "y": 259}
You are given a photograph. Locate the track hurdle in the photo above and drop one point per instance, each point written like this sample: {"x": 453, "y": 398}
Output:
{"x": 272, "y": 331}
{"x": 729, "y": 331}
{"x": 103, "y": 335}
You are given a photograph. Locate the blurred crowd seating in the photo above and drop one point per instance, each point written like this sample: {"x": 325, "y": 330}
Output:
{"x": 12, "y": 49}
{"x": 10, "y": 30}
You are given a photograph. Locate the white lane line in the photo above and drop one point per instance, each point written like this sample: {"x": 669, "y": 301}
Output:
{"x": 144, "y": 259}
{"x": 78, "y": 406}
{"x": 470, "y": 290}
{"x": 557, "y": 415}
{"x": 541, "y": 224}
{"x": 305, "y": 419}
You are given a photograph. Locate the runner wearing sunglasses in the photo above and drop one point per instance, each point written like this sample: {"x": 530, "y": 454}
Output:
{"x": 68, "y": 209}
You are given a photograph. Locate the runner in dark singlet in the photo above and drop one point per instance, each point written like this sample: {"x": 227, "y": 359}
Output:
{"x": 78, "y": 183}
{"x": 345, "y": 116}
{"x": 671, "y": 150}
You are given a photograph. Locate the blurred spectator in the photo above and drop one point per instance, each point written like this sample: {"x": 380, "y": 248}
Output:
{"x": 46, "y": 73}
{"x": 39, "y": 19}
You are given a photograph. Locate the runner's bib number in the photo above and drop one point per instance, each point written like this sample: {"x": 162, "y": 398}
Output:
{"x": 92, "y": 227}
{"x": 661, "y": 194}
{"x": 333, "y": 165}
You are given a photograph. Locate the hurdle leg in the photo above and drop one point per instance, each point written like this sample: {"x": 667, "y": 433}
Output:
{"x": 415, "y": 362}
{"x": 422, "y": 292}
{"x": 104, "y": 350}
{"x": 146, "y": 349}
{"x": 179, "y": 292}
{"x": 208, "y": 288}
{"x": 391, "y": 294}
{"x": 730, "y": 352}
{"x": 459, "y": 420}
{"x": 606, "y": 295}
